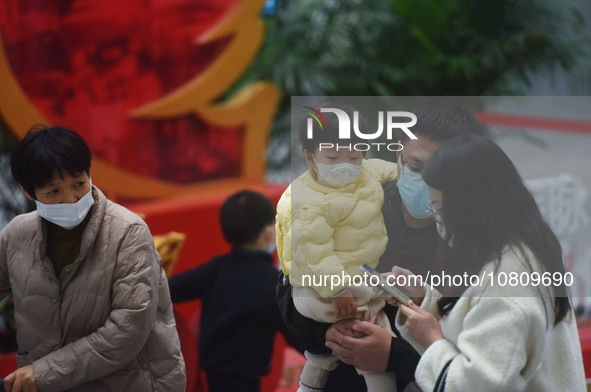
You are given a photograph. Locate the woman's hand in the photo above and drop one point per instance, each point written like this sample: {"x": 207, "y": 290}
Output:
{"x": 413, "y": 288}
{"x": 422, "y": 326}
{"x": 369, "y": 350}
{"x": 21, "y": 380}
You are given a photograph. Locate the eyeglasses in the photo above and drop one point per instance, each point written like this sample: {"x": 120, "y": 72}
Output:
{"x": 410, "y": 173}
{"x": 434, "y": 214}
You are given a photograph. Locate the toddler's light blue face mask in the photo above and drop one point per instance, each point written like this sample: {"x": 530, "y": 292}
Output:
{"x": 271, "y": 248}
{"x": 415, "y": 196}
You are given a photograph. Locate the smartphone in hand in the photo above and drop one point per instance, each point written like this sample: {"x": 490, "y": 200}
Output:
{"x": 392, "y": 290}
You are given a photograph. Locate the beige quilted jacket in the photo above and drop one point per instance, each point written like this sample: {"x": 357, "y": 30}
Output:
{"x": 106, "y": 323}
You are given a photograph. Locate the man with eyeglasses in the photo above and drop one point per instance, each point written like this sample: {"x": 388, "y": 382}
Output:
{"x": 412, "y": 244}
{"x": 411, "y": 231}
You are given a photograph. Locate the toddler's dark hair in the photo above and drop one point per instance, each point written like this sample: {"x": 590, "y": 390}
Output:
{"x": 330, "y": 133}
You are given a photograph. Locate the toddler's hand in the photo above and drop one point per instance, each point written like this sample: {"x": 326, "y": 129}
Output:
{"x": 344, "y": 304}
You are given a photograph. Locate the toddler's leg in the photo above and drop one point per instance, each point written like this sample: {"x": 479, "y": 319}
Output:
{"x": 316, "y": 371}
{"x": 378, "y": 382}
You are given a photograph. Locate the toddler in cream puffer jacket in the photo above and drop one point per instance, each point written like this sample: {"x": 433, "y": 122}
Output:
{"x": 329, "y": 223}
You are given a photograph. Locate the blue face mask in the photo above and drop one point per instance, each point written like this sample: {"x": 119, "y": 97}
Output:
{"x": 415, "y": 196}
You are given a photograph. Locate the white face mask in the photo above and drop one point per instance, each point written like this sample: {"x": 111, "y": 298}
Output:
{"x": 66, "y": 215}
{"x": 443, "y": 233}
{"x": 439, "y": 223}
{"x": 337, "y": 175}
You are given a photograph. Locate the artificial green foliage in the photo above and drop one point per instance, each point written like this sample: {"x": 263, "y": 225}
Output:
{"x": 412, "y": 47}
{"x": 471, "y": 47}
{"x": 415, "y": 47}
{"x": 329, "y": 47}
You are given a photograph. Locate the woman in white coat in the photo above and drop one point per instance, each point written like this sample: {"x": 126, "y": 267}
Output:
{"x": 508, "y": 325}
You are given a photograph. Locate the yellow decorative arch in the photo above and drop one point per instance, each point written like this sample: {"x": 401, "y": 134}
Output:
{"x": 252, "y": 109}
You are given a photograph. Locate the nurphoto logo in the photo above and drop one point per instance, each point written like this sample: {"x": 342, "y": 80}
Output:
{"x": 345, "y": 128}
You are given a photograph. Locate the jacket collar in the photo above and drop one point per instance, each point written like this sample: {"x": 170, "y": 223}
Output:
{"x": 252, "y": 255}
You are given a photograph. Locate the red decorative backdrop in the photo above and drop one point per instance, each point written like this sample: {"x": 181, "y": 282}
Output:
{"x": 86, "y": 64}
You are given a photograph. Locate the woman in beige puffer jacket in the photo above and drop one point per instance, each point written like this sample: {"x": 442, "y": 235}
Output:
{"x": 99, "y": 319}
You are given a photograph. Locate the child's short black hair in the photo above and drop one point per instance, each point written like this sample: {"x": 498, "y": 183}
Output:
{"x": 45, "y": 151}
{"x": 244, "y": 216}
{"x": 329, "y": 133}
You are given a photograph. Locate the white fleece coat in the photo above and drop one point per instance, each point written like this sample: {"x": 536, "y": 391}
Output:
{"x": 501, "y": 339}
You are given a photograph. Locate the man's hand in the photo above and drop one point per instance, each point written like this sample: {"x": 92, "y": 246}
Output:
{"x": 21, "y": 380}
{"x": 368, "y": 350}
{"x": 422, "y": 326}
{"x": 345, "y": 305}
{"x": 343, "y": 327}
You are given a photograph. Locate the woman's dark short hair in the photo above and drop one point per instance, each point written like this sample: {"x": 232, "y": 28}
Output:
{"x": 45, "y": 151}
{"x": 244, "y": 216}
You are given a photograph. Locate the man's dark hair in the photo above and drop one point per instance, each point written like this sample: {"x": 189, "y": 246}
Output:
{"x": 330, "y": 133}
{"x": 45, "y": 152}
{"x": 244, "y": 216}
{"x": 443, "y": 120}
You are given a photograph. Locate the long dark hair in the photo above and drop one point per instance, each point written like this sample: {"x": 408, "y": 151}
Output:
{"x": 486, "y": 207}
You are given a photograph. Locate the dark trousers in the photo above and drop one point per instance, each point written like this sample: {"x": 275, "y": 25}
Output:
{"x": 230, "y": 383}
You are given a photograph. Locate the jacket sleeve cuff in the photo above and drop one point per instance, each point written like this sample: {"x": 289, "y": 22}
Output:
{"x": 43, "y": 376}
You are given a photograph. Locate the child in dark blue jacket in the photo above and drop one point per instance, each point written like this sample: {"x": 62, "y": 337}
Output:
{"x": 239, "y": 315}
